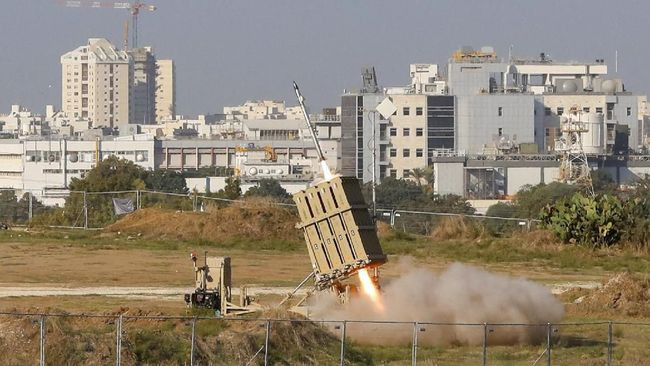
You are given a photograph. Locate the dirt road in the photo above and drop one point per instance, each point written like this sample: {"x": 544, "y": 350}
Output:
{"x": 141, "y": 293}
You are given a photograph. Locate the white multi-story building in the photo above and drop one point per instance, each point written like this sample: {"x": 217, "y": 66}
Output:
{"x": 45, "y": 167}
{"x": 95, "y": 83}
{"x": 257, "y": 109}
{"x": 22, "y": 122}
{"x": 165, "y": 90}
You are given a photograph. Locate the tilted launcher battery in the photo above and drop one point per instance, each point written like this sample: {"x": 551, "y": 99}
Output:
{"x": 340, "y": 234}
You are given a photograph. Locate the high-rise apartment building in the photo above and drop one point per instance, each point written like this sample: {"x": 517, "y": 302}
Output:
{"x": 143, "y": 90}
{"x": 165, "y": 90}
{"x": 95, "y": 81}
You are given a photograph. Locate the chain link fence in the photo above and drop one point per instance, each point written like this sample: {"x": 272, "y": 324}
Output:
{"x": 123, "y": 339}
{"x": 96, "y": 210}
{"x": 432, "y": 223}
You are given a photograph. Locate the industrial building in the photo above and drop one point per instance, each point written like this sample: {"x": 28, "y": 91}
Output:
{"x": 283, "y": 151}
{"x": 487, "y": 109}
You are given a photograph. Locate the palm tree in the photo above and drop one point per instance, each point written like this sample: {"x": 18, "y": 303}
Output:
{"x": 430, "y": 177}
{"x": 418, "y": 175}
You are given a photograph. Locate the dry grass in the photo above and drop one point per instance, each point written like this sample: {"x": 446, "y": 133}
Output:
{"x": 255, "y": 219}
{"x": 458, "y": 228}
{"x": 623, "y": 295}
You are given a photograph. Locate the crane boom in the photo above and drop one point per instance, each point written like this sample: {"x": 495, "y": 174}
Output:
{"x": 134, "y": 7}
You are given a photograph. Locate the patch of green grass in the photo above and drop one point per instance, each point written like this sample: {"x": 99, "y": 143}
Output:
{"x": 512, "y": 250}
{"x": 95, "y": 240}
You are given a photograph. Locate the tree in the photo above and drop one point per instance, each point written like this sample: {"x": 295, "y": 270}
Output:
{"x": 163, "y": 180}
{"x": 430, "y": 178}
{"x": 602, "y": 182}
{"x": 111, "y": 174}
{"x": 530, "y": 200}
{"x": 7, "y": 206}
{"x": 418, "y": 175}
{"x": 395, "y": 193}
{"x": 14, "y": 210}
{"x": 269, "y": 187}
{"x": 231, "y": 191}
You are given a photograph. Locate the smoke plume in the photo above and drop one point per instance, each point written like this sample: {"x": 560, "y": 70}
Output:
{"x": 460, "y": 294}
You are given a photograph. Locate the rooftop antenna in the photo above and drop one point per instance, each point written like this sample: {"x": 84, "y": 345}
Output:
{"x": 616, "y": 62}
{"x": 327, "y": 173}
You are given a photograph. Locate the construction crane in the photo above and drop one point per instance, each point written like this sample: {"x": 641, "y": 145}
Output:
{"x": 134, "y": 7}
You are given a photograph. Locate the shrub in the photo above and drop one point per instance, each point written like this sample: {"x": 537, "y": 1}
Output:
{"x": 595, "y": 221}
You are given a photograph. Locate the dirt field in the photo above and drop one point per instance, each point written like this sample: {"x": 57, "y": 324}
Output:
{"x": 108, "y": 273}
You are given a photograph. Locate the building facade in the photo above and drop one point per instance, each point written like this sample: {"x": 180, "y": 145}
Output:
{"x": 95, "y": 83}
{"x": 165, "y": 90}
{"x": 143, "y": 90}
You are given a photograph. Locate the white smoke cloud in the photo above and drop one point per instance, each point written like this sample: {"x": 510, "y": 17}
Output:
{"x": 460, "y": 294}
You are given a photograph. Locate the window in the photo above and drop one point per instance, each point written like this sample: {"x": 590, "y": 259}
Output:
{"x": 560, "y": 111}
{"x": 585, "y": 109}
{"x": 406, "y": 173}
{"x": 393, "y": 173}
{"x": 393, "y": 131}
{"x": 629, "y": 111}
{"x": 418, "y": 111}
{"x": 419, "y": 132}
{"x": 547, "y": 111}
{"x": 419, "y": 153}
{"x": 406, "y": 132}
{"x": 406, "y": 111}
{"x": 500, "y": 131}
{"x": 599, "y": 109}
{"x": 500, "y": 111}
{"x": 406, "y": 153}
{"x": 393, "y": 153}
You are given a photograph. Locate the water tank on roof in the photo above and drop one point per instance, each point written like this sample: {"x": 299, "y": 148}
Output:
{"x": 74, "y": 157}
{"x": 608, "y": 86}
{"x": 593, "y": 139}
{"x": 252, "y": 171}
{"x": 139, "y": 157}
{"x": 569, "y": 86}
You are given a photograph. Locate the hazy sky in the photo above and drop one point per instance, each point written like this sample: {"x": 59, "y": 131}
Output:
{"x": 230, "y": 51}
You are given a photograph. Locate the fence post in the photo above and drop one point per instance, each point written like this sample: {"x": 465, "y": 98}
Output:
{"x": 414, "y": 351}
{"x": 343, "y": 331}
{"x": 610, "y": 342}
{"x": 266, "y": 342}
{"x": 85, "y": 212}
{"x": 548, "y": 344}
{"x": 118, "y": 346}
{"x": 41, "y": 340}
{"x": 138, "y": 201}
{"x": 31, "y": 210}
{"x": 485, "y": 338}
{"x": 193, "y": 341}
{"x": 392, "y": 218}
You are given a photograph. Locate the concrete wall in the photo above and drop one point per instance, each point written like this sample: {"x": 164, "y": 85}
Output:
{"x": 519, "y": 177}
{"x": 449, "y": 178}
{"x": 478, "y": 121}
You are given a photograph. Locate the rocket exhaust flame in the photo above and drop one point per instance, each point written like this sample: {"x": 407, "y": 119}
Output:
{"x": 369, "y": 288}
